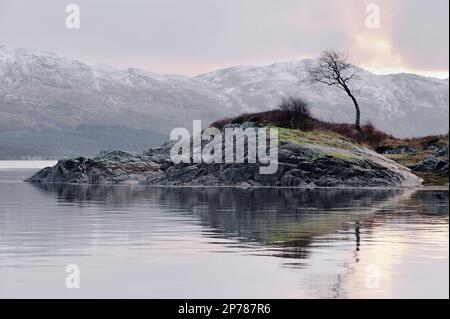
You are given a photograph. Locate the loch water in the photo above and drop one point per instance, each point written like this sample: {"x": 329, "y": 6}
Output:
{"x": 150, "y": 242}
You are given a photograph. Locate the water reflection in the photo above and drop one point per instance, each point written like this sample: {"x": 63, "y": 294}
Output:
{"x": 284, "y": 221}
{"x": 292, "y": 242}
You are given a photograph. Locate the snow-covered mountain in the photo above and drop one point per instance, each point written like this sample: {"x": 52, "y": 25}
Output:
{"x": 53, "y": 106}
{"x": 402, "y": 104}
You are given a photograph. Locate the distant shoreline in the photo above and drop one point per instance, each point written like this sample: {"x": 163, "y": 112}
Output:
{"x": 26, "y": 164}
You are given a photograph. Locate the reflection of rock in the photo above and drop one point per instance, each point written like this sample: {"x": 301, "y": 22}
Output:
{"x": 324, "y": 160}
{"x": 286, "y": 218}
{"x": 279, "y": 222}
{"x": 431, "y": 202}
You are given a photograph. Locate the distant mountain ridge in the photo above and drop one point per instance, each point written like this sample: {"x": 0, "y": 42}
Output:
{"x": 406, "y": 105}
{"x": 52, "y": 106}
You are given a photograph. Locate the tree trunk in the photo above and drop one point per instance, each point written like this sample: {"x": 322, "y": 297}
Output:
{"x": 358, "y": 115}
{"x": 358, "y": 111}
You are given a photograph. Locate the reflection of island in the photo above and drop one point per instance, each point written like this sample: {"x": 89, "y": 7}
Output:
{"x": 286, "y": 220}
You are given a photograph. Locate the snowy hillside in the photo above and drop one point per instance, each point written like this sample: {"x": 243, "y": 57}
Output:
{"x": 51, "y": 105}
{"x": 402, "y": 104}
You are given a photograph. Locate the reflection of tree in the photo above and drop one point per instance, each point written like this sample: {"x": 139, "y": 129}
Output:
{"x": 426, "y": 206}
{"x": 287, "y": 220}
{"x": 286, "y": 223}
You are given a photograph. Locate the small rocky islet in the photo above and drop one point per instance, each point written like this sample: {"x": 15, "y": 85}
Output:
{"x": 305, "y": 159}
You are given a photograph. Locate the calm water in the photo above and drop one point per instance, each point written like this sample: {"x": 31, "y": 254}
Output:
{"x": 211, "y": 242}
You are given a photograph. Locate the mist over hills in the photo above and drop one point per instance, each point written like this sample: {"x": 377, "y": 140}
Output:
{"x": 53, "y": 106}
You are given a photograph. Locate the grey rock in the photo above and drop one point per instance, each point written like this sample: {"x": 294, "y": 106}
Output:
{"x": 299, "y": 165}
{"x": 242, "y": 126}
{"x": 444, "y": 171}
{"x": 401, "y": 150}
{"x": 431, "y": 164}
{"x": 442, "y": 152}
{"x": 115, "y": 167}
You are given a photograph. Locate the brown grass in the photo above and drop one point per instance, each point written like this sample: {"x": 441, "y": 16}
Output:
{"x": 371, "y": 136}
{"x": 275, "y": 117}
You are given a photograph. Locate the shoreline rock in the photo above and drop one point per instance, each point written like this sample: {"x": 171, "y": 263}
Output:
{"x": 300, "y": 164}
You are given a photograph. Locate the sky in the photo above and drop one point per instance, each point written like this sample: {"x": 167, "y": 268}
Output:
{"x": 196, "y": 36}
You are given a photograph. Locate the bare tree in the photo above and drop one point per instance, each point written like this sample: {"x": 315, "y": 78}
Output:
{"x": 298, "y": 111}
{"x": 334, "y": 69}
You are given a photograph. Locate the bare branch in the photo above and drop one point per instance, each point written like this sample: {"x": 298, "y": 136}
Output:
{"x": 334, "y": 69}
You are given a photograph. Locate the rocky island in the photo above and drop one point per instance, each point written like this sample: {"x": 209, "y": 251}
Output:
{"x": 305, "y": 159}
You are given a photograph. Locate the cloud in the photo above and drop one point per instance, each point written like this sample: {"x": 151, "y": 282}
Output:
{"x": 412, "y": 35}
{"x": 177, "y": 36}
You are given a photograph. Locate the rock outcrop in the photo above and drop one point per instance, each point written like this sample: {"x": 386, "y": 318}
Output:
{"x": 436, "y": 163}
{"x": 305, "y": 160}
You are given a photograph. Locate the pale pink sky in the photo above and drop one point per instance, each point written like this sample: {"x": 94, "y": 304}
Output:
{"x": 196, "y": 36}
